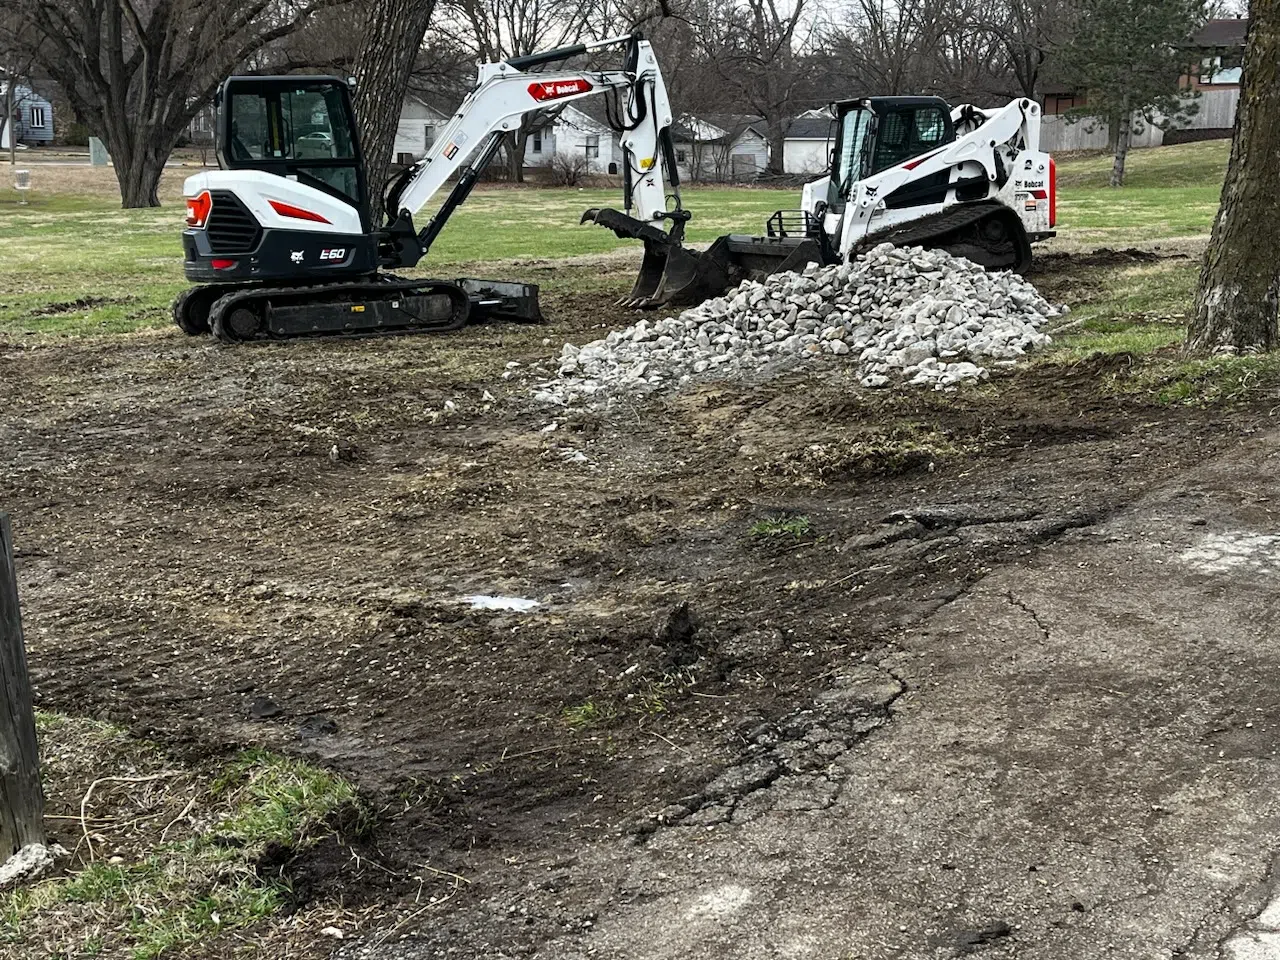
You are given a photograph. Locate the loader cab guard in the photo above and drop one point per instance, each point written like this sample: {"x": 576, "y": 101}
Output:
{"x": 876, "y": 133}
{"x": 298, "y": 127}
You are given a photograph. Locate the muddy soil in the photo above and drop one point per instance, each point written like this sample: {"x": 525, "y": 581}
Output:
{"x": 271, "y": 545}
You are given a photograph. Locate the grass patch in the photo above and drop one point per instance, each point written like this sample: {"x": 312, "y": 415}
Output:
{"x": 787, "y": 525}
{"x": 1169, "y": 192}
{"x": 583, "y": 715}
{"x": 197, "y": 880}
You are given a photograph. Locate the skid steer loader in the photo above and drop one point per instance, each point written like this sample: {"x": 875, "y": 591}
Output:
{"x": 912, "y": 171}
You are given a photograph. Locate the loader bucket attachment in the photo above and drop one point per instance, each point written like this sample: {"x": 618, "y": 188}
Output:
{"x": 670, "y": 274}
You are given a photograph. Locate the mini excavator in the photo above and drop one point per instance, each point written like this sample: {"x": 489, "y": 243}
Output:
{"x": 280, "y": 239}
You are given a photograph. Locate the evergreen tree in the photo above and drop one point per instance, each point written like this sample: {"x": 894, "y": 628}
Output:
{"x": 1128, "y": 56}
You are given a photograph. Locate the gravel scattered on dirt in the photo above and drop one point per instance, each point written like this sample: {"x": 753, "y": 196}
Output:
{"x": 901, "y": 313}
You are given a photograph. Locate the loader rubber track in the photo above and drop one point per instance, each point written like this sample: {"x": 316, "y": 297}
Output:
{"x": 372, "y": 308}
{"x": 961, "y": 231}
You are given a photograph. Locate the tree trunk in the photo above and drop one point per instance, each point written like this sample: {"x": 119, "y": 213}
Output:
{"x": 519, "y": 148}
{"x": 7, "y": 121}
{"x": 21, "y": 799}
{"x": 1236, "y": 305}
{"x": 139, "y": 177}
{"x": 777, "y": 147}
{"x": 393, "y": 31}
{"x": 1124, "y": 135}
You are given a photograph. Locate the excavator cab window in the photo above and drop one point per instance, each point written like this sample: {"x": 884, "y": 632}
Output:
{"x": 299, "y": 127}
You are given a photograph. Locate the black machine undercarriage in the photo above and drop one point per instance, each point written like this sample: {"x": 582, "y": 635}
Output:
{"x": 380, "y": 307}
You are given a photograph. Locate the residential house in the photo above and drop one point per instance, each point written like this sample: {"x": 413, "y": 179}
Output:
{"x": 416, "y": 131}
{"x": 1214, "y": 57}
{"x": 32, "y": 120}
{"x": 580, "y": 129}
{"x": 807, "y": 145}
{"x": 720, "y": 147}
{"x": 1220, "y": 44}
{"x": 576, "y": 129}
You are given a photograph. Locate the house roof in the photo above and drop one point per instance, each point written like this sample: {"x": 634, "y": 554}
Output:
{"x": 716, "y": 126}
{"x": 1222, "y": 33}
{"x": 811, "y": 128}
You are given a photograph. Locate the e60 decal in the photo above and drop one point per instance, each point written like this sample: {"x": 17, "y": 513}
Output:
{"x": 336, "y": 253}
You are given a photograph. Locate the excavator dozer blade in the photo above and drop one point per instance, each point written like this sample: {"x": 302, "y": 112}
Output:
{"x": 670, "y": 274}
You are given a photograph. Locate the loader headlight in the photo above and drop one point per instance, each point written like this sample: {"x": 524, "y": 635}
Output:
{"x": 198, "y": 208}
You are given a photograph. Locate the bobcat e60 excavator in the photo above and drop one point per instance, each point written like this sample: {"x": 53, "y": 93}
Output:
{"x": 280, "y": 237}
{"x": 912, "y": 170}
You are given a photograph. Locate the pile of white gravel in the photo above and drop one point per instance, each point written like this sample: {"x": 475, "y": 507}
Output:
{"x": 902, "y": 314}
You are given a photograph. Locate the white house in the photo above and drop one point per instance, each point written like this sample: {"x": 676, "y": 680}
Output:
{"x": 806, "y": 148}
{"x": 720, "y": 147}
{"x": 579, "y": 130}
{"x": 573, "y": 130}
{"x": 32, "y": 119}
{"x": 416, "y": 130}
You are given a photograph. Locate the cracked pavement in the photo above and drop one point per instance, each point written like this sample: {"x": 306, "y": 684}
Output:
{"x": 1076, "y": 758}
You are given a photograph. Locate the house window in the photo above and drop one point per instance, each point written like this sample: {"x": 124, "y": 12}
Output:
{"x": 428, "y": 137}
{"x": 37, "y": 116}
{"x": 1223, "y": 69}
{"x": 537, "y": 141}
{"x": 593, "y": 146}
{"x": 682, "y": 156}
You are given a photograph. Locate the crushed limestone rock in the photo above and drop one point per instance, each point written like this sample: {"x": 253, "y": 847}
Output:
{"x": 902, "y": 314}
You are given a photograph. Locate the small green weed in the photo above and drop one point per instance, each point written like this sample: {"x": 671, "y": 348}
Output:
{"x": 787, "y": 525}
{"x": 583, "y": 715}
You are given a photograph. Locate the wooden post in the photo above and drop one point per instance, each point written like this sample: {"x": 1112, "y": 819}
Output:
{"x": 21, "y": 799}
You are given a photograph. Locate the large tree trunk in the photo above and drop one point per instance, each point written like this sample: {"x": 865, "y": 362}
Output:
{"x": 138, "y": 172}
{"x": 1236, "y": 305}
{"x": 393, "y": 31}
{"x": 1124, "y": 135}
{"x": 777, "y": 145}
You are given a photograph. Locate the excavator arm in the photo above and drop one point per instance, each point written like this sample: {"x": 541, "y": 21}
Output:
{"x": 504, "y": 94}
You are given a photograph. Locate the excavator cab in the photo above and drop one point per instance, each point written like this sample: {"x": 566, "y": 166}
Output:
{"x": 302, "y": 128}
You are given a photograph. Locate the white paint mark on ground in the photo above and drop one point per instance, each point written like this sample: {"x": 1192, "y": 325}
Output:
{"x": 721, "y": 904}
{"x": 481, "y": 601}
{"x": 1238, "y": 550}
{"x": 1253, "y": 945}
{"x": 1259, "y": 939}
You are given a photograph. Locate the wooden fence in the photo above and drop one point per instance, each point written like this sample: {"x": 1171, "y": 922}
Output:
{"x": 1217, "y": 111}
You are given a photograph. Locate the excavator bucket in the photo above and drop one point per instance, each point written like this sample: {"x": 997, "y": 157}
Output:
{"x": 670, "y": 274}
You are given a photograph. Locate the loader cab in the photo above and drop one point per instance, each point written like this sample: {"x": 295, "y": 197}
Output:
{"x": 874, "y": 134}
{"x": 299, "y": 127}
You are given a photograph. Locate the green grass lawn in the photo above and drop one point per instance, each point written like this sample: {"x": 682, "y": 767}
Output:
{"x": 75, "y": 263}
{"x": 1169, "y": 192}
{"x": 82, "y": 265}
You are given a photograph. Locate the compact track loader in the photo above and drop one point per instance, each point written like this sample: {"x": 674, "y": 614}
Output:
{"x": 912, "y": 171}
{"x": 280, "y": 238}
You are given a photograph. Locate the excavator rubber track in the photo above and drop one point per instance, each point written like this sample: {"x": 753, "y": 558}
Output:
{"x": 361, "y": 309}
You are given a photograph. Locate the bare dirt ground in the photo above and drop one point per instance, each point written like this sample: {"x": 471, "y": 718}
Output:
{"x": 202, "y": 530}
